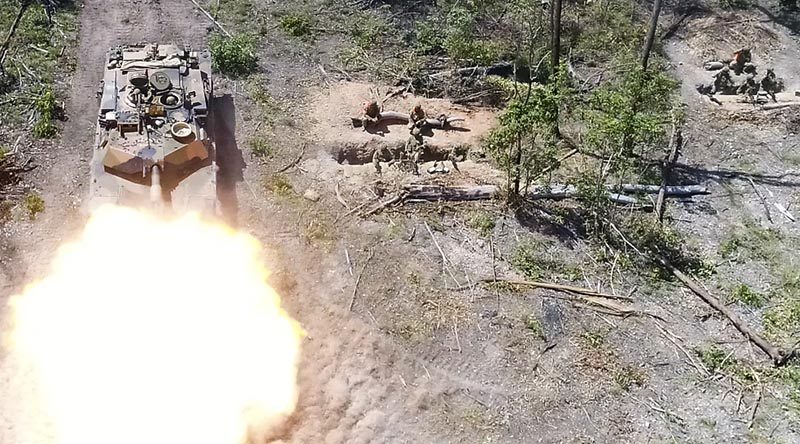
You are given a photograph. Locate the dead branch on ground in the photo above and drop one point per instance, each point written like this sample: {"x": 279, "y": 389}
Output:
{"x": 778, "y": 355}
{"x": 294, "y": 162}
{"x": 14, "y": 25}
{"x": 397, "y": 198}
{"x": 218, "y": 25}
{"x": 546, "y": 285}
{"x": 763, "y": 201}
{"x": 358, "y": 280}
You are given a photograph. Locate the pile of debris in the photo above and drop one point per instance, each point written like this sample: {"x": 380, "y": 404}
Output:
{"x": 738, "y": 76}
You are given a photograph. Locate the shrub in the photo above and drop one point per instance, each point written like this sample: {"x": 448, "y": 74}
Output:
{"x": 746, "y": 295}
{"x": 45, "y": 106}
{"x": 296, "y": 25}
{"x": 656, "y": 240}
{"x": 234, "y": 56}
{"x": 482, "y": 222}
{"x": 34, "y": 204}
{"x": 260, "y": 147}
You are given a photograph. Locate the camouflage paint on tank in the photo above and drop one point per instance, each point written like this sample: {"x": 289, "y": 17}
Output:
{"x": 153, "y": 123}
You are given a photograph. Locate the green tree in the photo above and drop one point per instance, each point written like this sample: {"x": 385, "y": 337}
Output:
{"x": 525, "y": 142}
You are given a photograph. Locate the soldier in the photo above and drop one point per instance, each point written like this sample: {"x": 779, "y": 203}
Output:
{"x": 415, "y": 146}
{"x": 740, "y": 58}
{"x": 769, "y": 84}
{"x": 370, "y": 113}
{"x": 416, "y": 115}
{"x": 749, "y": 87}
{"x": 380, "y": 154}
{"x": 723, "y": 83}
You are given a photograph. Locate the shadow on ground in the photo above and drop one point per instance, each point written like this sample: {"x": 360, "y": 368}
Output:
{"x": 229, "y": 157}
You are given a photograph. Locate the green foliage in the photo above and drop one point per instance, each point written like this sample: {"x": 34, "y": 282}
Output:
{"x": 532, "y": 260}
{"x": 594, "y": 339}
{"x": 746, "y": 295}
{"x": 715, "y": 359}
{"x": 782, "y": 321}
{"x": 235, "y": 12}
{"x": 752, "y": 242}
{"x": 260, "y": 147}
{"x": 482, "y": 222}
{"x": 461, "y": 43}
{"x": 625, "y": 119}
{"x": 602, "y": 31}
{"x": 297, "y": 25}
{"x": 527, "y": 129}
{"x": 45, "y": 106}
{"x": 532, "y": 323}
{"x": 234, "y": 56}
{"x": 35, "y": 50}
{"x": 368, "y": 29}
{"x": 429, "y": 38}
{"x": 624, "y": 127}
{"x": 657, "y": 240}
{"x": 34, "y": 204}
{"x": 473, "y": 32}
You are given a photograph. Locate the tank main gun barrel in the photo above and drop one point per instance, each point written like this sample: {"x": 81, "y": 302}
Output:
{"x": 156, "y": 194}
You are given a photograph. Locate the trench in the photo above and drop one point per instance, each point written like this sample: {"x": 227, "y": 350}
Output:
{"x": 360, "y": 154}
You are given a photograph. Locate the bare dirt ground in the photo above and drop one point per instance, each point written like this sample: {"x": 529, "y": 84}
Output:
{"x": 415, "y": 361}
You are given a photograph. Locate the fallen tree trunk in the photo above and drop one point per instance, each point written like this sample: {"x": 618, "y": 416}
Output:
{"x": 559, "y": 191}
{"x": 393, "y": 116}
{"x": 771, "y": 106}
{"x": 669, "y": 190}
{"x": 433, "y": 193}
{"x": 778, "y": 355}
{"x": 556, "y": 191}
{"x": 438, "y": 192}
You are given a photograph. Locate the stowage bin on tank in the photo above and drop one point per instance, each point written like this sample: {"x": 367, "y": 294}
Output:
{"x": 153, "y": 146}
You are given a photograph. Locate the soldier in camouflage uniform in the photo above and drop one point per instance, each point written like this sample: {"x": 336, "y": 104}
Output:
{"x": 723, "y": 83}
{"x": 769, "y": 84}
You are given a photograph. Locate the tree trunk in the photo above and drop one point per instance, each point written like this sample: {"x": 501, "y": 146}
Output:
{"x": 517, "y": 167}
{"x": 555, "y": 22}
{"x": 10, "y": 35}
{"x": 651, "y": 34}
{"x": 555, "y": 51}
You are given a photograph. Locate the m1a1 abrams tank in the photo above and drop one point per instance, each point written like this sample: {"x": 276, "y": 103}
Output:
{"x": 153, "y": 147}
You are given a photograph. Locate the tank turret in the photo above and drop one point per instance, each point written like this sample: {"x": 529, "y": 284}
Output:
{"x": 153, "y": 146}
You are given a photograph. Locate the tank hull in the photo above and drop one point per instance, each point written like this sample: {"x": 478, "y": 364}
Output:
{"x": 152, "y": 136}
